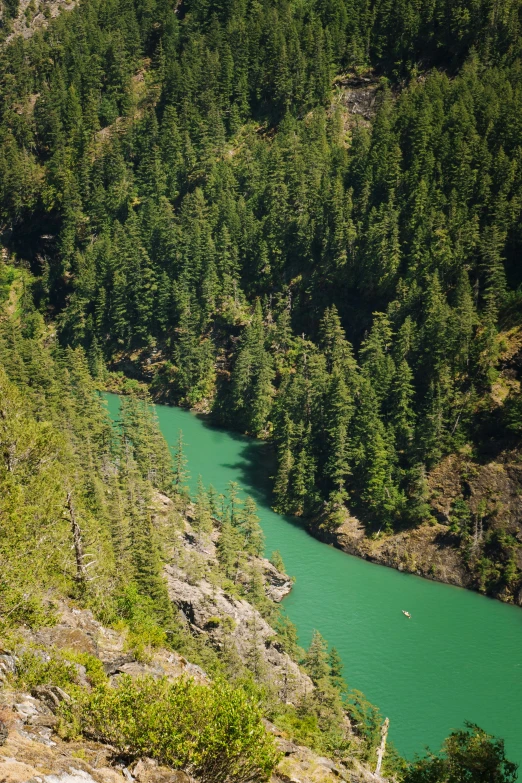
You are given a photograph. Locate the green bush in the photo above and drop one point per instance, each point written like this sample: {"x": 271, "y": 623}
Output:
{"x": 34, "y": 669}
{"x": 214, "y": 732}
{"x": 468, "y": 754}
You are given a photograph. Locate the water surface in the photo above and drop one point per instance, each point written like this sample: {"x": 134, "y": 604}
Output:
{"x": 459, "y": 657}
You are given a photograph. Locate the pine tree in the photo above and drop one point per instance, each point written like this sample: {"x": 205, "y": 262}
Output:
{"x": 377, "y": 360}
{"x": 401, "y": 399}
{"x": 229, "y": 550}
{"x": 181, "y": 475}
{"x": 336, "y": 670}
{"x": 316, "y": 658}
{"x": 251, "y": 529}
{"x": 202, "y": 521}
{"x": 252, "y": 377}
{"x": 234, "y": 503}
{"x": 338, "y": 412}
{"x": 277, "y": 561}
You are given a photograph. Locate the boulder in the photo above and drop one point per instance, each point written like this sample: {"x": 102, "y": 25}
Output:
{"x": 148, "y": 771}
{"x": 277, "y": 584}
{"x": 65, "y": 637}
{"x": 13, "y": 771}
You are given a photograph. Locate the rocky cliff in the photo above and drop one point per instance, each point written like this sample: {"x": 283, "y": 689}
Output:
{"x": 32, "y": 745}
{"x": 32, "y": 751}
{"x": 472, "y": 540}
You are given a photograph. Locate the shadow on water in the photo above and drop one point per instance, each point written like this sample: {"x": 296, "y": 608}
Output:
{"x": 254, "y": 470}
{"x": 257, "y": 462}
{"x": 458, "y": 658}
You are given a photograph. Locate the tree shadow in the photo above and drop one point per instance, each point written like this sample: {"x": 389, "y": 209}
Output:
{"x": 254, "y": 469}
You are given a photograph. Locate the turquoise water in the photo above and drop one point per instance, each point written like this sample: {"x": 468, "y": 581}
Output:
{"x": 459, "y": 657}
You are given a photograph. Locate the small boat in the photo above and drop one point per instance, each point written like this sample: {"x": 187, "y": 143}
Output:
{"x": 408, "y": 615}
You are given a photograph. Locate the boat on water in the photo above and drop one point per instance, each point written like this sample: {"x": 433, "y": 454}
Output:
{"x": 408, "y": 615}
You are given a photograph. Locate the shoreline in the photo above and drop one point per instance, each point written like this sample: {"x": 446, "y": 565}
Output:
{"x": 424, "y": 551}
{"x": 417, "y": 551}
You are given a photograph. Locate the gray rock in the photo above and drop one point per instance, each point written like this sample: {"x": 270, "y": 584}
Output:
{"x": 277, "y": 584}
{"x": 73, "y": 776}
{"x": 7, "y": 665}
{"x": 4, "y": 732}
{"x": 225, "y": 619}
{"x": 50, "y": 695}
{"x": 148, "y": 771}
{"x": 28, "y": 708}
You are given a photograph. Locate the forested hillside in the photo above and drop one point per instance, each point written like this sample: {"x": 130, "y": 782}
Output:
{"x": 103, "y": 560}
{"x": 201, "y": 208}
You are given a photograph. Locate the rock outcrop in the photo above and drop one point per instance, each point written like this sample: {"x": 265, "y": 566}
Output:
{"x": 492, "y": 495}
{"x": 35, "y": 16}
{"x": 30, "y": 749}
{"x": 426, "y": 551}
{"x": 229, "y": 620}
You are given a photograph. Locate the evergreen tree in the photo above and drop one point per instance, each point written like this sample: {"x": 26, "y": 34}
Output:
{"x": 181, "y": 475}
{"x": 316, "y": 658}
{"x": 202, "y": 510}
{"x": 336, "y": 670}
{"x": 254, "y": 538}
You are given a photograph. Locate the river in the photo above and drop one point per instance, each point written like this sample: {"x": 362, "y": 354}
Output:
{"x": 459, "y": 657}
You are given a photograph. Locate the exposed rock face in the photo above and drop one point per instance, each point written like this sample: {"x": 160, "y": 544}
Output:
{"x": 425, "y": 551}
{"x": 65, "y": 636}
{"x": 24, "y": 757}
{"x": 277, "y": 585}
{"x": 148, "y": 771}
{"x": 29, "y": 756}
{"x": 359, "y": 95}
{"x": 301, "y": 765}
{"x": 48, "y": 9}
{"x": 32, "y": 751}
{"x": 78, "y": 630}
{"x": 492, "y": 492}
{"x": 7, "y": 665}
{"x": 228, "y": 620}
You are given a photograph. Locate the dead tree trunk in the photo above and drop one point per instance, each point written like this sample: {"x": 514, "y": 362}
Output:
{"x": 380, "y": 753}
{"x": 81, "y": 575}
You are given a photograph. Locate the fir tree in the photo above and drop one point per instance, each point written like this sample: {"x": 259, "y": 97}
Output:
{"x": 251, "y": 529}
{"x": 181, "y": 475}
{"x": 316, "y": 658}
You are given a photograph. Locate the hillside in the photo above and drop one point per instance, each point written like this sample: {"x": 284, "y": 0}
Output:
{"x": 303, "y": 218}
{"x": 104, "y": 559}
{"x": 140, "y": 632}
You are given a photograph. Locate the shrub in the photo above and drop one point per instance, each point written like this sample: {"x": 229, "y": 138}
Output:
{"x": 34, "y": 668}
{"x": 214, "y": 732}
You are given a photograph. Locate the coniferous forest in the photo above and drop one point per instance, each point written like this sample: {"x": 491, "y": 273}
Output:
{"x": 301, "y": 218}
{"x": 199, "y": 206}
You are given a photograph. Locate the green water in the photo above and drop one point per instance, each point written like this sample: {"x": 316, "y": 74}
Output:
{"x": 459, "y": 657}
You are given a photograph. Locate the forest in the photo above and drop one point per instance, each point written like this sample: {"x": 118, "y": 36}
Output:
{"x": 191, "y": 208}
{"x": 198, "y": 207}
{"x": 79, "y": 523}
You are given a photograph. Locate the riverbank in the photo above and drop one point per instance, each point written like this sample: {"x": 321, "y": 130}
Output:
{"x": 473, "y": 538}
{"x": 400, "y": 665}
{"x": 423, "y": 551}
{"x": 487, "y": 560}
{"x": 44, "y": 669}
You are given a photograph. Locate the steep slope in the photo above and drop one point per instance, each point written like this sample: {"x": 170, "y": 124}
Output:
{"x": 302, "y": 217}
{"x": 179, "y": 589}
